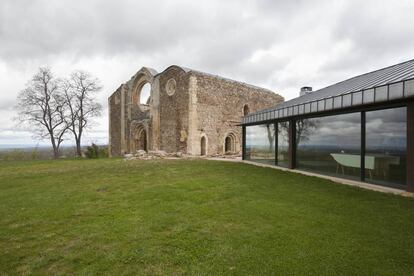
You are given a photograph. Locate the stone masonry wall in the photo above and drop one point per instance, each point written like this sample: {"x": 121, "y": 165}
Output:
{"x": 201, "y": 105}
{"x": 174, "y": 111}
{"x": 220, "y": 104}
{"x": 114, "y": 102}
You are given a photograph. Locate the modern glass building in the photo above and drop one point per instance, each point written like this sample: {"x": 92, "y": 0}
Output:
{"x": 361, "y": 129}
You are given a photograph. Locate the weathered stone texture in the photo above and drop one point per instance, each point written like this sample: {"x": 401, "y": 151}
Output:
{"x": 202, "y": 105}
{"x": 220, "y": 108}
{"x": 174, "y": 111}
{"x": 114, "y": 104}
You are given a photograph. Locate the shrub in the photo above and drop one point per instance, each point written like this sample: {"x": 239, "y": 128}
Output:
{"x": 95, "y": 151}
{"x": 14, "y": 155}
{"x": 35, "y": 154}
{"x": 103, "y": 152}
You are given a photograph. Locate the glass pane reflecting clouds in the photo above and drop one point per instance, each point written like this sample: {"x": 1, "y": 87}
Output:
{"x": 330, "y": 145}
{"x": 386, "y": 141}
{"x": 283, "y": 144}
{"x": 260, "y": 143}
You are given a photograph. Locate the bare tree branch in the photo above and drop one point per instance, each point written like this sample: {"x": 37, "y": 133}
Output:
{"x": 42, "y": 107}
{"x": 80, "y": 89}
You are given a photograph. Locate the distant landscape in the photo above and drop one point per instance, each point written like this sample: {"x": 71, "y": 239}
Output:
{"x": 15, "y": 152}
{"x": 6, "y": 147}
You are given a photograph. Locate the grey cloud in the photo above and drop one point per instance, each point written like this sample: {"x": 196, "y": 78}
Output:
{"x": 109, "y": 27}
{"x": 7, "y": 104}
{"x": 379, "y": 32}
{"x": 88, "y": 27}
{"x": 302, "y": 42}
{"x": 13, "y": 136}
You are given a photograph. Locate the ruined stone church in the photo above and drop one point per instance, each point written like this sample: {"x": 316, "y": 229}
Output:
{"x": 186, "y": 111}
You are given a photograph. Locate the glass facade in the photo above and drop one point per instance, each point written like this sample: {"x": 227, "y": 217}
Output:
{"x": 260, "y": 143}
{"x": 386, "y": 145}
{"x": 283, "y": 144}
{"x": 330, "y": 145}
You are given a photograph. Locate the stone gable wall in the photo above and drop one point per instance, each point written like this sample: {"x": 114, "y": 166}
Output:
{"x": 220, "y": 104}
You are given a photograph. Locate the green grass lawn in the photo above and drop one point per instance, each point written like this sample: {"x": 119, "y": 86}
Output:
{"x": 195, "y": 217}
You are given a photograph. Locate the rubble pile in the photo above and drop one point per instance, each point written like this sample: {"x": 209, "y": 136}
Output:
{"x": 160, "y": 154}
{"x": 152, "y": 154}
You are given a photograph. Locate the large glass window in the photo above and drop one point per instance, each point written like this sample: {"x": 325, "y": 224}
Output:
{"x": 330, "y": 145}
{"x": 386, "y": 141}
{"x": 260, "y": 143}
{"x": 283, "y": 144}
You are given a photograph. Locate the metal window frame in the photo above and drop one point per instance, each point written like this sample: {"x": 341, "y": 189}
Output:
{"x": 362, "y": 110}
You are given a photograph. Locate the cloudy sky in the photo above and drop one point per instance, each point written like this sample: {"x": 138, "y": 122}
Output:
{"x": 280, "y": 45}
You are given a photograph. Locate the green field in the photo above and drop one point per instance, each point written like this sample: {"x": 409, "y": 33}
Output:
{"x": 195, "y": 217}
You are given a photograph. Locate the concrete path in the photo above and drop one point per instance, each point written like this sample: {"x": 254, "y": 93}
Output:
{"x": 359, "y": 184}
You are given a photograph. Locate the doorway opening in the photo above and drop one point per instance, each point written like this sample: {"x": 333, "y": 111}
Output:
{"x": 203, "y": 146}
{"x": 140, "y": 140}
{"x": 230, "y": 144}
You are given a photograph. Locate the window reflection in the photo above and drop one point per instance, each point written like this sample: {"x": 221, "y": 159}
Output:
{"x": 283, "y": 144}
{"x": 260, "y": 143}
{"x": 330, "y": 145}
{"x": 386, "y": 140}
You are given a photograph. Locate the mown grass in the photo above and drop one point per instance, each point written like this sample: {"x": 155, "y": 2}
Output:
{"x": 195, "y": 217}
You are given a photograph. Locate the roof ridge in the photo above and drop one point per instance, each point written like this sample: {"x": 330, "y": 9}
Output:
{"x": 189, "y": 70}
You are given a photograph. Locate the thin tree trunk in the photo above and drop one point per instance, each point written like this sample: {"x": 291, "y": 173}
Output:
{"x": 55, "y": 153}
{"x": 78, "y": 147}
{"x": 55, "y": 149}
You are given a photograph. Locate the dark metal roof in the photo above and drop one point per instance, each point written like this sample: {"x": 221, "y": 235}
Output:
{"x": 362, "y": 83}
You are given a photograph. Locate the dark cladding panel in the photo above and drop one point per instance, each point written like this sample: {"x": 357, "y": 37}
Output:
{"x": 338, "y": 102}
{"x": 328, "y": 103}
{"x": 381, "y": 94}
{"x": 346, "y": 100}
{"x": 357, "y": 98}
{"x": 321, "y": 105}
{"x": 409, "y": 88}
{"x": 369, "y": 96}
{"x": 410, "y": 147}
{"x": 396, "y": 91}
{"x": 314, "y": 107}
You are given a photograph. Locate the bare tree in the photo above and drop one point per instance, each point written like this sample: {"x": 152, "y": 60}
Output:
{"x": 270, "y": 135}
{"x": 42, "y": 107}
{"x": 305, "y": 128}
{"x": 79, "y": 92}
